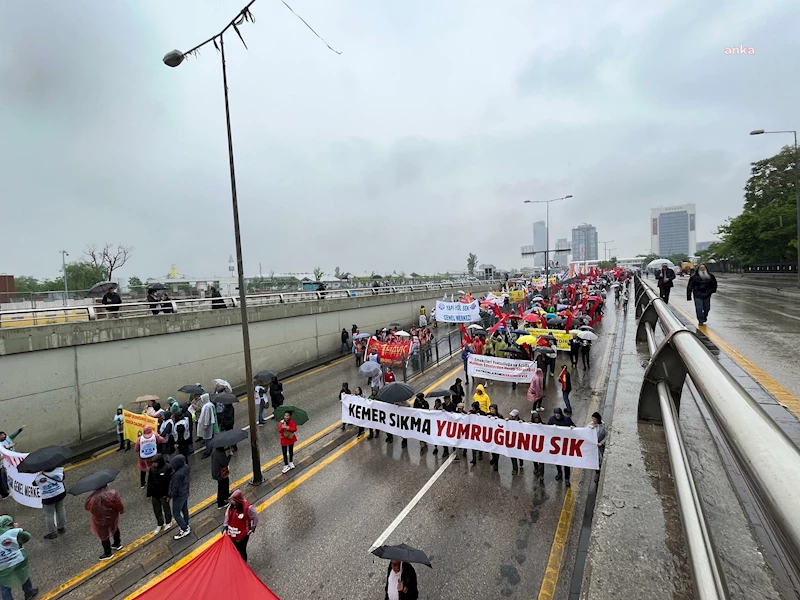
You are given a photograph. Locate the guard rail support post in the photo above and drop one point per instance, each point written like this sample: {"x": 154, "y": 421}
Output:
{"x": 92, "y": 313}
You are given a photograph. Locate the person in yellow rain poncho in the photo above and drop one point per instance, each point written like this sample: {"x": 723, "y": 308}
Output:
{"x": 482, "y": 398}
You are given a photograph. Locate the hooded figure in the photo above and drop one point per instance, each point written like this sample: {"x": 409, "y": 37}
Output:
{"x": 15, "y": 571}
{"x": 206, "y": 422}
{"x": 105, "y": 507}
{"x": 536, "y": 391}
{"x": 158, "y": 480}
{"x": 179, "y": 492}
{"x": 481, "y": 397}
{"x": 241, "y": 519}
{"x": 174, "y": 407}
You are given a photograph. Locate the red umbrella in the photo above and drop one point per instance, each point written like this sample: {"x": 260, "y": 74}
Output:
{"x": 531, "y": 318}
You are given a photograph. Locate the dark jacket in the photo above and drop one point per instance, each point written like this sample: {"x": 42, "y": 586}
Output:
{"x": 216, "y": 299}
{"x": 422, "y": 403}
{"x": 158, "y": 478}
{"x": 566, "y": 386}
{"x": 111, "y": 298}
{"x": 408, "y": 577}
{"x": 219, "y": 459}
{"x": 574, "y": 345}
{"x": 701, "y": 288}
{"x": 345, "y": 335}
{"x": 564, "y": 421}
{"x": 276, "y": 393}
{"x": 458, "y": 392}
{"x": 665, "y": 278}
{"x": 227, "y": 420}
{"x": 179, "y": 486}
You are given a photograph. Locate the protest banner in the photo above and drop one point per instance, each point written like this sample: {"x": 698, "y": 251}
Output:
{"x": 517, "y": 295}
{"x": 562, "y": 337}
{"x": 458, "y": 312}
{"x": 390, "y": 354}
{"x": 527, "y": 441}
{"x": 20, "y": 484}
{"x": 500, "y": 369}
{"x": 135, "y": 423}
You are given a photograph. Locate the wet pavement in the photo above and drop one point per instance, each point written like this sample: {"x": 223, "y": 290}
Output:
{"x": 489, "y": 534}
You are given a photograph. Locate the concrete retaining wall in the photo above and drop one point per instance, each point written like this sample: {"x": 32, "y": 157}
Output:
{"x": 65, "y": 381}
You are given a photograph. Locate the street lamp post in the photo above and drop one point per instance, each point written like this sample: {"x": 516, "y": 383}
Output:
{"x": 796, "y": 170}
{"x": 173, "y": 59}
{"x": 64, "y": 254}
{"x": 605, "y": 248}
{"x": 547, "y": 233}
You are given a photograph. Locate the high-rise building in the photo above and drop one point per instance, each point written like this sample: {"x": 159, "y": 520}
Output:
{"x": 584, "y": 242}
{"x": 539, "y": 242}
{"x": 672, "y": 230}
{"x": 562, "y": 252}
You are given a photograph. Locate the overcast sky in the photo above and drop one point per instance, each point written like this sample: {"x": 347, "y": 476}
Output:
{"x": 414, "y": 147}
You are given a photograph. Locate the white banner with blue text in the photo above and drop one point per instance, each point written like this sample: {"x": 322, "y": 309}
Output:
{"x": 570, "y": 447}
{"x": 458, "y": 312}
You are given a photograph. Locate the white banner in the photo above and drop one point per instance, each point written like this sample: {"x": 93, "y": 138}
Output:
{"x": 490, "y": 297}
{"x": 500, "y": 369}
{"x": 527, "y": 441}
{"x": 20, "y": 484}
{"x": 458, "y": 312}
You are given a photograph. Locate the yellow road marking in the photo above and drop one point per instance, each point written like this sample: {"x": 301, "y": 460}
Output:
{"x": 132, "y": 546}
{"x": 781, "y": 394}
{"x": 338, "y": 361}
{"x": 271, "y": 500}
{"x": 548, "y": 589}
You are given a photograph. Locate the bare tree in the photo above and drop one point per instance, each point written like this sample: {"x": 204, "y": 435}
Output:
{"x": 108, "y": 258}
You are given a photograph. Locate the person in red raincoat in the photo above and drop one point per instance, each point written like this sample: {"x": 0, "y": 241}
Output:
{"x": 241, "y": 519}
{"x": 105, "y": 507}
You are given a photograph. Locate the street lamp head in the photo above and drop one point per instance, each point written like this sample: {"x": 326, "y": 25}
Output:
{"x": 570, "y": 196}
{"x": 528, "y": 202}
{"x": 757, "y": 132}
{"x": 173, "y": 58}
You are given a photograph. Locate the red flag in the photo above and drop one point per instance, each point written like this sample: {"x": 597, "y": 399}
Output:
{"x": 544, "y": 322}
{"x": 568, "y": 323}
{"x": 467, "y": 339}
{"x": 496, "y": 310}
{"x": 497, "y": 325}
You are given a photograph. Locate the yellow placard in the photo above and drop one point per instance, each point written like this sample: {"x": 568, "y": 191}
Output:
{"x": 562, "y": 337}
{"x": 135, "y": 423}
{"x": 517, "y": 295}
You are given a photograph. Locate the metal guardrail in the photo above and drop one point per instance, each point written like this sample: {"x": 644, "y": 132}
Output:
{"x": 76, "y": 314}
{"x": 769, "y": 457}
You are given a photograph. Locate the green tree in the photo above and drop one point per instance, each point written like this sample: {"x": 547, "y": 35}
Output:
{"x": 677, "y": 259}
{"x": 82, "y": 275}
{"x": 24, "y": 284}
{"x": 766, "y": 230}
{"x": 135, "y": 283}
{"x": 318, "y": 273}
{"x": 647, "y": 258}
{"x": 472, "y": 262}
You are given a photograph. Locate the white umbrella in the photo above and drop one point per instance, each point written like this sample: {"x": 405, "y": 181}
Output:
{"x": 461, "y": 292}
{"x": 402, "y": 333}
{"x": 656, "y": 264}
{"x": 587, "y": 335}
{"x": 224, "y": 384}
{"x": 476, "y": 326}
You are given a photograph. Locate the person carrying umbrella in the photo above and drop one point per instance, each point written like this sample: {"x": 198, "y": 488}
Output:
{"x": 158, "y": 480}
{"x": 241, "y": 520}
{"x": 261, "y": 400}
{"x": 14, "y": 567}
{"x": 287, "y": 429}
{"x": 220, "y": 472}
{"x": 105, "y": 506}
{"x": 152, "y": 299}
{"x": 111, "y": 301}
{"x": 147, "y": 447}
{"x": 401, "y": 581}
{"x": 183, "y": 433}
{"x": 52, "y": 493}
{"x": 276, "y": 392}
{"x": 574, "y": 350}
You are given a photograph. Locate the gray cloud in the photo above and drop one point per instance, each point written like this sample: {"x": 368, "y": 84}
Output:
{"x": 413, "y": 148}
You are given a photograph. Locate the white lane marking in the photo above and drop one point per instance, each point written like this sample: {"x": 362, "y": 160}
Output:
{"x": 410, "y": 506}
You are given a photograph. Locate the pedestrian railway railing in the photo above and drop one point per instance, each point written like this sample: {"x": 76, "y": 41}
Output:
{"x": 75, "y": 314}
{"x": 768, "y": 456}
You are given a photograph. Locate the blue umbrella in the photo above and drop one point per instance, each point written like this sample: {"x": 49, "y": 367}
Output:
{"x": 361, "y": 336}
{"x": 521, "y": 332}
{"x": 550, "y": 316}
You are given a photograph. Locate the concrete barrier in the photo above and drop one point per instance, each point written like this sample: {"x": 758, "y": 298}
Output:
{"x": 64, "y": 381}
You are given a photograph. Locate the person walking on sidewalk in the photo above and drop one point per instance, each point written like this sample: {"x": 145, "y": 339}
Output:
{"x": 566, "y": 387}
{"x": 702, "y": 284}
{"x": 119, "y": 426}
{"x": 179, "y": 492}
{"x": 147, "y": 447}
{"x": 220, "y": 472}
{"x": 287, "y": 429}
{"x": 14, "y": 567}
{"x": 664, "y": 280}
{"x": 602, "y": 432}
{"x": 345, "y": 347}
{"x": 241, "y": 520}
{"x": 536, "y": 392}
{"x": 158, "y": 479}
{"x": 52, "y": 492}
{"x": 105, "y": 506}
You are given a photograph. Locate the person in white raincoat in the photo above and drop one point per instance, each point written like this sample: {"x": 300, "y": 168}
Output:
{"x": 206, "y": 422}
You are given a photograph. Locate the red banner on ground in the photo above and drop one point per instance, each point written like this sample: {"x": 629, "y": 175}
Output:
{"x": 392, "y": 354}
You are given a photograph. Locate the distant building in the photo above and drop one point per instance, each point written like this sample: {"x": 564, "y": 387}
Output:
{"x": 703, "y": 245}
{"x": 539, "y": 242}
{"x": 672, "y": 230}
{"x": 584, "y": 242}
{"x": 562, "y": 258}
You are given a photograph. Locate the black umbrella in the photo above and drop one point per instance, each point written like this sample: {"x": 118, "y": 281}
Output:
{"x": 479, "y": 332}
{"x": 228, "y": 438}
{"x": 403, "y": 552}
{"x": 192, "y": 389}
{"x": 225, "y": 398}
{"x": 265, "y": 376}
{"x": 157, "y": 286}
{"x": 548, "y": 337}
{"x": 586, "y": 328}
{"x": 439, "y": 393}
{"x": 512, "y": 350}
{"x": 395, "y": 325}
{"x": 98, "y": 289}
{"x": 94, "y": 481}
{"x": 45, "y": 459}
{"x": 396, "y": 392}
{"x": 542, "y": 350}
